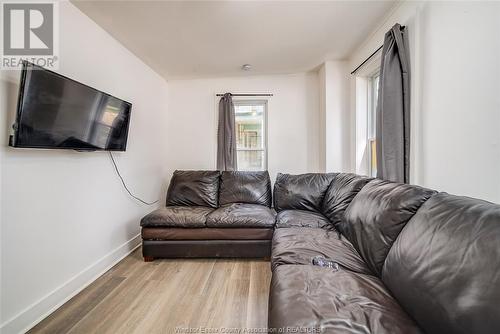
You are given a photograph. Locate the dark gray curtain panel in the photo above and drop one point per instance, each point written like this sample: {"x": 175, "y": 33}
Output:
{"x": 393, "y": 109}
{"x": 226, "y": 135}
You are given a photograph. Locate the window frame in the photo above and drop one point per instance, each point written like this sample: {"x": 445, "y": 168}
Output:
{"x": 371, "y": 131}
{"x": 245, "y": 101}
{"x": 363, "y": 101}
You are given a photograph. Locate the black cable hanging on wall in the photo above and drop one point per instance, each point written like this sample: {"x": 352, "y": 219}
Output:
{"x": 125, "y": 186}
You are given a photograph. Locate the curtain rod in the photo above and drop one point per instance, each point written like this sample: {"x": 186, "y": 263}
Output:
{"x": 373, "y": 54}
{"x": 246, "y": 94}
{"x": 369, "y": 57}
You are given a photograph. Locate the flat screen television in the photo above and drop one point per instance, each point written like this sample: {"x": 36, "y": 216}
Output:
{"x": 55, "y": 112}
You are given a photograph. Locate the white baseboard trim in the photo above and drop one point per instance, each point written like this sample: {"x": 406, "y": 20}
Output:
{"x": 39, "y": 310}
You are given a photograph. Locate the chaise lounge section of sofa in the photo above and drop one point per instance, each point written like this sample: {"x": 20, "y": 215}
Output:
{"x": 212, "y": 214}
{"x": 410, "y": 260}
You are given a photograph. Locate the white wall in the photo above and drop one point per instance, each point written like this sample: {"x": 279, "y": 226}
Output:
{"x": 460, "y": 125}
{"x": 454, "y": 52}
{"x": 65, "y": 217}
{"x": 334, "y": 115}
{"x": 293, "y": 120}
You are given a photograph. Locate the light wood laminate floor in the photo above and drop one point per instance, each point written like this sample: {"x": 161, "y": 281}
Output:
{"x": 168, "y": 296}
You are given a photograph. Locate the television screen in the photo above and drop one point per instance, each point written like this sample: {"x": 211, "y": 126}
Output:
{"x": 57, "y": 112}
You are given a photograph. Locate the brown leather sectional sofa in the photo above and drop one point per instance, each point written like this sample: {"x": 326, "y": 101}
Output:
{"x": 410, "y": 259}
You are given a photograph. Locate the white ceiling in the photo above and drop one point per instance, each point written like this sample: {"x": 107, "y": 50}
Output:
{"x": 188, "y": 39}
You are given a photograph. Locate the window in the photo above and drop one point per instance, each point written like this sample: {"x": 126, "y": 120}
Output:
{"x": 366, "y": 98}
{"x": 371, "y": 133}
{"x": 251, "y": 134}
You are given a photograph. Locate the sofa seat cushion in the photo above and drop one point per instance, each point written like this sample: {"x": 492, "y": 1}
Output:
{"x": 311, "y": 299}
{"x": 177, "y": 216}
{"x": 242, "y": 215}
{"x": 206, "y": 233}
{"x": 301, "y": 218}
{"x": 300, "y": 246}
{"x": 194, "y": 188}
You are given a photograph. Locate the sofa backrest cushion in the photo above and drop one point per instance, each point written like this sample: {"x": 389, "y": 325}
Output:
{"x": 301, "y": 192}
{"x": 194, "y": 188}
{"x": 377, "y": 215}
{"x": 340, "y": 194}
{"x": 444, "y": 268}
{"x": 245, "y": 187}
